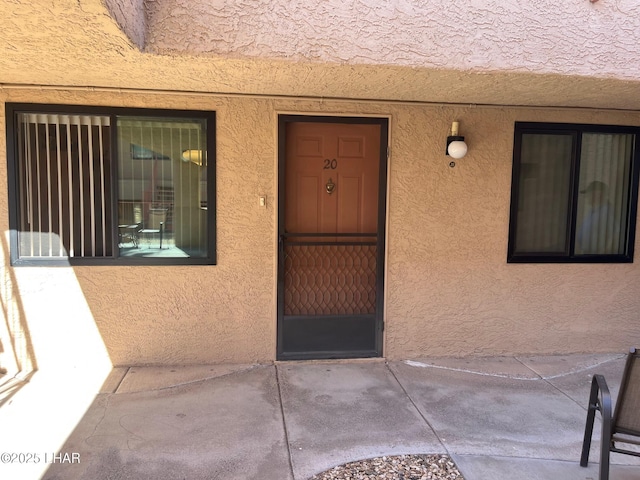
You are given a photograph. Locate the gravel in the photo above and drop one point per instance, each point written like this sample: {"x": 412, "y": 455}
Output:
{"x": 401, "y": 467}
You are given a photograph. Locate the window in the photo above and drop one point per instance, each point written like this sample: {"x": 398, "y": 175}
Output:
{"x": 574, "y": 193}
{"x": 102, "y": 185}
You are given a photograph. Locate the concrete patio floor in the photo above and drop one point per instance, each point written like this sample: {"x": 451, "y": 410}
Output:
{"x": 499, "y": 418}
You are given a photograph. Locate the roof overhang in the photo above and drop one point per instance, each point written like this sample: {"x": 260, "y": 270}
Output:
{"x": 80, "y": 44}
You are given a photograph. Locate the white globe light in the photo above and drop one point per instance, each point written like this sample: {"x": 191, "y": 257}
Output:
{"x": 457, "y": 149}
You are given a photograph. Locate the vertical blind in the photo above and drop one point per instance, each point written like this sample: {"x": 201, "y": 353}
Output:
{"x": 65, "y": 182}
{"x": 162, "y": 167}
{"x": 605, "y": 169}
{"x": 543, "y": 210}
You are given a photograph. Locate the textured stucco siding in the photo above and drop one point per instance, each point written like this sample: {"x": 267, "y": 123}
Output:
{"x": 449, "y": 290}
{"x": 569, "y": 37}
{"x": 131, "y": 15}
{"x": 545, "y": 53}
{"x": 191, "y": 314}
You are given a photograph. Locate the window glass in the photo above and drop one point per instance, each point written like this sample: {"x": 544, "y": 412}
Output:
{"x": 543, "y": 208}
{"x": 574, "y": 193}
{"x": 162, "y": 209}
{"x": 604, "y": 193}
{"x": 65, "y": 184}
{"x": 105, "y": 186}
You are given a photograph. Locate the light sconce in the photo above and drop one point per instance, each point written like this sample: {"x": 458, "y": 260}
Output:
{"x": 456, "y": 148}
{"x": 193, "y": 156}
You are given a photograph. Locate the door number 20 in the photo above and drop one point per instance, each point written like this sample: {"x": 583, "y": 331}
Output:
{"x": 330, "y": 164}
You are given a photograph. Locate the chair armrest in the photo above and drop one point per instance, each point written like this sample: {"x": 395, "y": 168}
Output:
{"x": 604, "y": 399}
{"x": 600, "y": 400}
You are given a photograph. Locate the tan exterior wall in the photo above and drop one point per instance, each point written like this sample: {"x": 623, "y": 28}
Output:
{"x": 449, "y": 288}
{"x": 508, "y": 52}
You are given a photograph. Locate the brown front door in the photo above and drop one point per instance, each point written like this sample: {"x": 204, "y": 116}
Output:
{"x": 331, "y": 224}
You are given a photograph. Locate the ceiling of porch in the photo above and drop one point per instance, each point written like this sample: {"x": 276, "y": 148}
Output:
{"x": 136, "y": 45}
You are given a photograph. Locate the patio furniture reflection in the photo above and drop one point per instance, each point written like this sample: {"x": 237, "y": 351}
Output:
{"x": 155, "y": 225}
{"x": 128, "y": 234}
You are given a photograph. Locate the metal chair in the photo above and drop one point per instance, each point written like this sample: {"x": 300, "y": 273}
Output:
{"x": 619, "y": 426}
{"x": 128, "y": 234}
{"x": 155, "y": 225}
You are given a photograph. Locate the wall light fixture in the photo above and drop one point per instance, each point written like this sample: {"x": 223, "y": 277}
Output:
{"x": 193, "y": 156}
{"x": 456, "y": 148}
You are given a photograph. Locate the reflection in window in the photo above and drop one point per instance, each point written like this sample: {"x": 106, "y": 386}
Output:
{"x": 162, "y": 187}
{"x": 605, "y": 169}
{"x": 79, "y": 193}
{"x": 574, "y": 193}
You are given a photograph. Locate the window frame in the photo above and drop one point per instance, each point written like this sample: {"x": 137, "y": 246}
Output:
{"x": 576, "y": 130}
{"x": 12, "y": 111}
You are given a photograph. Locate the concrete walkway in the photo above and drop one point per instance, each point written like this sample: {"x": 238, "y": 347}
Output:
{"x": 499, "y": 418}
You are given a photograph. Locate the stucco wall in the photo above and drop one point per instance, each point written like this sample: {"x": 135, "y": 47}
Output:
{"x": 574, "y": 53}
{"x": 571, "y": 37}
{"x": 449, "y": 288}
{"x": 182, "y": 315}
{"x": 131, "y": 15}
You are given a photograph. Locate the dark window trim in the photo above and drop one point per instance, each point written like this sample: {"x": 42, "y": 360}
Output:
{"x": 576, "y": 130}
{"x": 11, "y": 115}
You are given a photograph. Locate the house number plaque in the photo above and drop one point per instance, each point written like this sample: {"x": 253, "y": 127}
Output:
{"x": 330, "y": 164}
